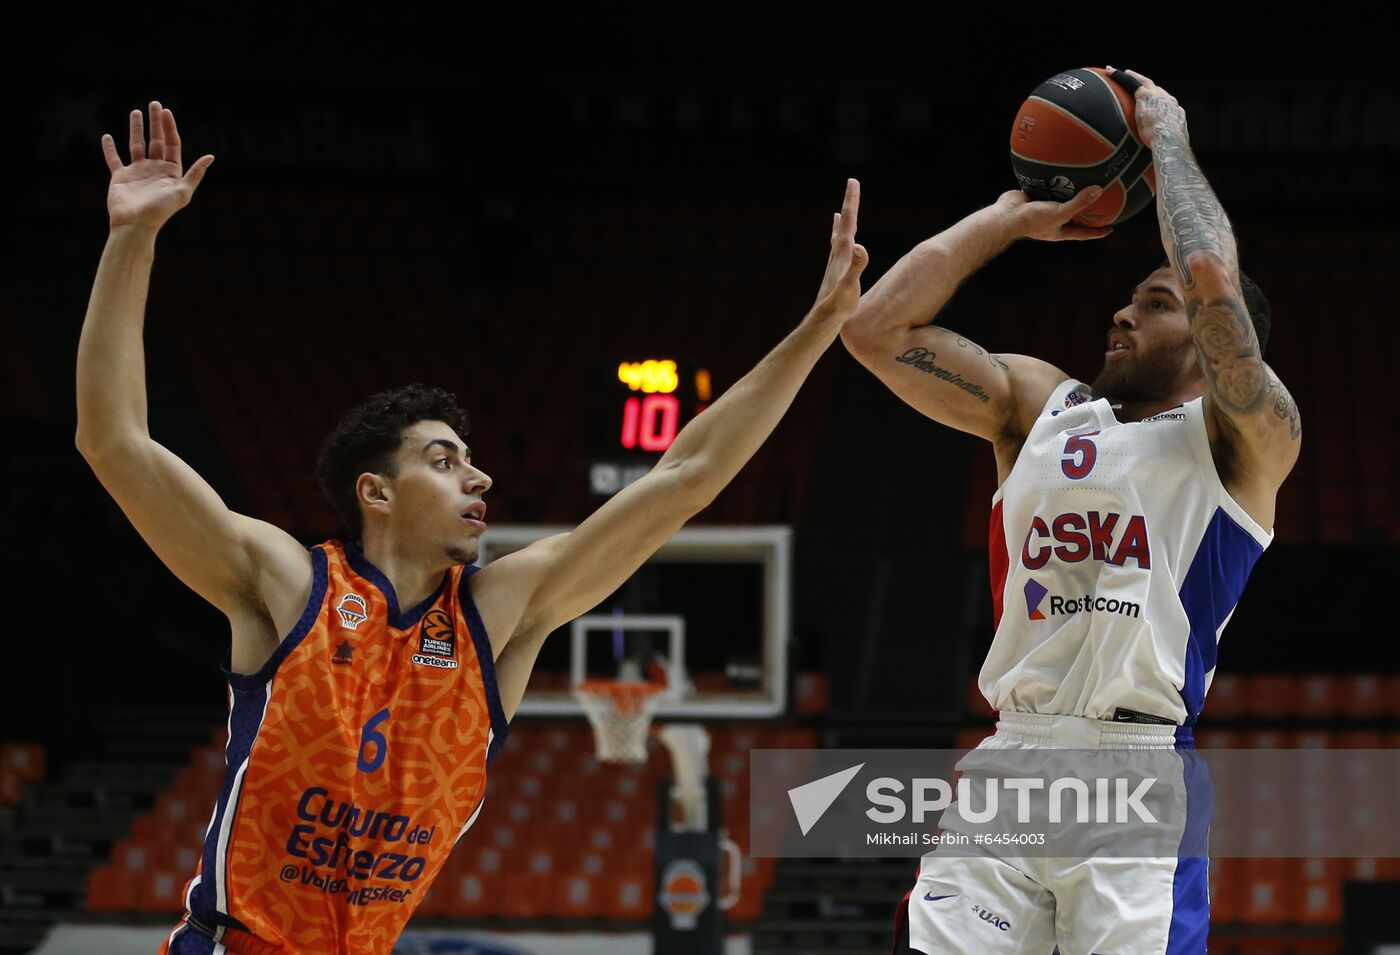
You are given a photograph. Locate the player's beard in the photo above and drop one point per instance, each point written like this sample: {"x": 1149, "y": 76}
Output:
{"x": 1142, "y": 376}
{"x": 463, "y": 555}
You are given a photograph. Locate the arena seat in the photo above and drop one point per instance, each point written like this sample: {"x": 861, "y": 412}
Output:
{"x": 110, "y": 889}
{"x": 629, "y": 897}
{"x": 1267, "y": 894}
{"x": 475, "y": 896}
{"x": 1272, "y": 696}
{"x": 160, "y": 890}
{"x": 578, "y": 896}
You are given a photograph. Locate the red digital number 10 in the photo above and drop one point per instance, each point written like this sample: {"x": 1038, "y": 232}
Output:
{"x": 651, "y": 422}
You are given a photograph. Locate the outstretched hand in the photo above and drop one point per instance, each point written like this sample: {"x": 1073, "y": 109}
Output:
{"x": 840, "y": 289}
{"x": 153, "y": 186}
{"x": 1050, "y": 221}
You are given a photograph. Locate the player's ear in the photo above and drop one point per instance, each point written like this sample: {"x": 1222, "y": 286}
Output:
{"x": 374, "y": 492}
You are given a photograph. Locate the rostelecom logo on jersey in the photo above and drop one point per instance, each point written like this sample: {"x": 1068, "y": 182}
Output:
{"x": 1062, "y": 605}
{"x": 1035, "y": 593}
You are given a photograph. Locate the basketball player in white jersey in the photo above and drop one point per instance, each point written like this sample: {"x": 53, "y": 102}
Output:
{"x": 1129, "y": 514}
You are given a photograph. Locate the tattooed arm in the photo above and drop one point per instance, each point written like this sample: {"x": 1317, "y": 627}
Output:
{"x": 1254, "y": 413}
{"x": 938, "y": 372}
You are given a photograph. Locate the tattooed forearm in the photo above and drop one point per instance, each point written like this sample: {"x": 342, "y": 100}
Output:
{"x": 1191, "y": 217}
{"x": 961, "y": 342}
{"x": 923, "y": 360}
{"x": 1228, "y": 353}
{"x": 1195, "y": 229}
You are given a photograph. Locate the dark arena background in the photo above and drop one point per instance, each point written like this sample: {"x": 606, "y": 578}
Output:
{"x": 512, "y": 209}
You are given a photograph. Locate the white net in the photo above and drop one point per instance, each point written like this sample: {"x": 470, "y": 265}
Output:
{"x": 620, "y": 713}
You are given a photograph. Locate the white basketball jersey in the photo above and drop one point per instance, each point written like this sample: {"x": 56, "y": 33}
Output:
{"x": 1117, "y": 559}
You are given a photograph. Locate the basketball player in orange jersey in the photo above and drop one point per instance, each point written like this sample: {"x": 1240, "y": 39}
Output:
{"x": 1129, "y": 514}
{"x": 370, "y": 682}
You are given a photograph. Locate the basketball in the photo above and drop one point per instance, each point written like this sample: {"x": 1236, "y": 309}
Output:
{"x": 1076, "y": 130}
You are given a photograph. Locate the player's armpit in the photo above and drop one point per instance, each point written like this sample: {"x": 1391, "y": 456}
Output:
{"x": 514, "y": 666}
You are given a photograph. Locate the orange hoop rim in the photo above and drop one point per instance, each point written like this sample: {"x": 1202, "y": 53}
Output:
{"x": 625, "y": 696}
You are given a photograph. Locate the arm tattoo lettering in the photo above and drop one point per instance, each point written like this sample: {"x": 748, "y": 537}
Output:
{"x": 923, "y": 360}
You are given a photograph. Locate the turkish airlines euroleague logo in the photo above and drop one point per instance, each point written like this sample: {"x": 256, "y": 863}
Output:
{"x": 437, "y": 642}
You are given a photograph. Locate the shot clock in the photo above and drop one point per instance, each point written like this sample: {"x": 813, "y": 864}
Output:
{"x": 637, "y": 407}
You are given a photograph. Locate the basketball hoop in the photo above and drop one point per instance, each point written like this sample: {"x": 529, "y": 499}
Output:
{"x": 620, "y": 712}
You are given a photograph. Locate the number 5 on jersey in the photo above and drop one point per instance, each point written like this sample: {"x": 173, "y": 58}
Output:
{"x": 1080, "y": 455}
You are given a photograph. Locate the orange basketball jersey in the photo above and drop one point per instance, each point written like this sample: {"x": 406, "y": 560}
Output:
{"x": 356, "y": 759}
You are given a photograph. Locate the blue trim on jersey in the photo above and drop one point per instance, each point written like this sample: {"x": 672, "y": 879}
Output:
{"x": 361, "y": 565}
{"x": 1226, "y": 555}
{"x": 244, "y": 720}
{"x": 1190, "y": 923}
{"x": 187, "y": 941}
{"x": 488, "y": 665}
{"x": 320, "y": 582}
{"x": 250, "y": 696}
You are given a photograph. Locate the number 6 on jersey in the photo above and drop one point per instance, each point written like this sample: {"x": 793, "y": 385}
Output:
{"x": 381, "y": 745}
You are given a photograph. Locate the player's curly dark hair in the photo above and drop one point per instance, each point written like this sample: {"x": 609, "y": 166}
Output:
{"x": 367, "y": 437}
{"x": 1255, "y": 302}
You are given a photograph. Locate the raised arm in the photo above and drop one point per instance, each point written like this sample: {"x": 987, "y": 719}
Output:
{"x": 1255, "y": 413}
{"x": 939, "y": 372}
{"x": 242, "y": 566}
{"x": 525, "y": 595}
